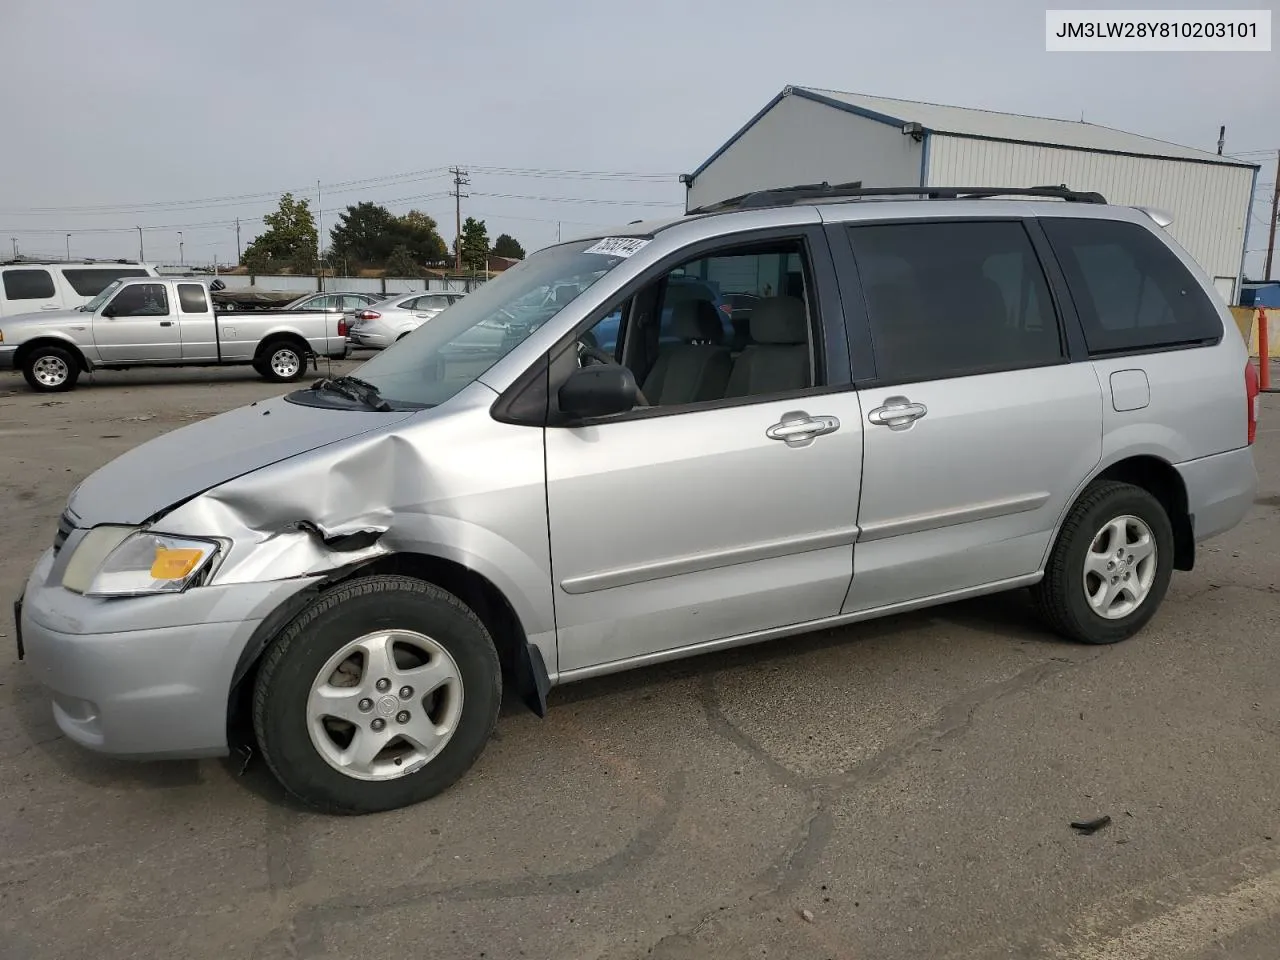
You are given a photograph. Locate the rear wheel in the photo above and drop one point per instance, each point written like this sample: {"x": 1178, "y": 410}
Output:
{"x": 51, "y": 369}
{"x": 1110, "y": 567}
{"x": 380, "y": 695}
{"x": 282, "y": 361}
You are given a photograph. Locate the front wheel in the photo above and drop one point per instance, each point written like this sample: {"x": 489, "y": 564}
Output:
{"x": 379, "y": 695}
{"x": 51, "y": 369}
{"x": 1110, "y": 567}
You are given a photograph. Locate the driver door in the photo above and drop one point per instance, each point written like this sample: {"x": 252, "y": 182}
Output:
{"x": 138, "y": 324}
{"x": 707, "y": 520}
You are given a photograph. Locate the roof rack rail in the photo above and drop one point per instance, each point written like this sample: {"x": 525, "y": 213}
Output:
{"x": 785, "y": 196}
{"x": 47, "y": 261}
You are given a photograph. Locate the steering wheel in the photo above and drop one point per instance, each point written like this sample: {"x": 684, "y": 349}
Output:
{"x": 590, "y": 352}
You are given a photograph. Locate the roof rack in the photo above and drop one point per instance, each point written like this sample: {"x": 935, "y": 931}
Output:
{"x": 785, "y": 196}
{"x": 47, "y": 261}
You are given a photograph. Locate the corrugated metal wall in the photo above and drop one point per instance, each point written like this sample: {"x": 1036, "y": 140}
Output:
{"x": 1209, "y": 203}
{"x": 302, "y": 285}
{"x": 800, "y": 141}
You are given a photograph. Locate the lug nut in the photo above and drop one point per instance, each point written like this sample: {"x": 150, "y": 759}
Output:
{"x": 406, "y": 693}
{"x": 365, "y": 705}
{"x": 383, "y": 685}
{"x": 402, "y": 716}
{"x": 378, "y": 723}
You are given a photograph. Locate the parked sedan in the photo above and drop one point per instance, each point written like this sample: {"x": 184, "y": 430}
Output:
{"x": 382, "y": 324}
{"x": 340, "y": 302}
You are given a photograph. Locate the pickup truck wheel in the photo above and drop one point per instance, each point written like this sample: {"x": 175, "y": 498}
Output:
{"x": 1110, "y": 567}
{"x": 282, "y": 362}
{"x": 51, "y": 369}
{"x": 379, "y": 695}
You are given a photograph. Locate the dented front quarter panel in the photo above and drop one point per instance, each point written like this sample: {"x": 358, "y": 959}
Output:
{"x": 451, "y": 482}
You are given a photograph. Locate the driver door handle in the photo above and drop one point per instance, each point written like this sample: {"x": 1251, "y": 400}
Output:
{"x": 898, "y": 413}
{"x": 798, "y": 429}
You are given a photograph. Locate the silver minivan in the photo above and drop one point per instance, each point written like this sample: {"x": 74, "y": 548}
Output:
{"x": 931, "y": 398}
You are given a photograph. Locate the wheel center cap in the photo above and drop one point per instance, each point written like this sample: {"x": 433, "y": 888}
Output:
{"x": 387, "y": 706}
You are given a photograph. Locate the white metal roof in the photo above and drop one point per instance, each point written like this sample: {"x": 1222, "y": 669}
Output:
{"x": 965, "y": 121}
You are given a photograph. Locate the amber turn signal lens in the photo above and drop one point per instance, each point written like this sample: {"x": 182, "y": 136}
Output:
{"x": 174, "y": 564}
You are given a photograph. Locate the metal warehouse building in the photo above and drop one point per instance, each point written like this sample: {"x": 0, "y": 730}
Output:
{"x": 806, "y": 135}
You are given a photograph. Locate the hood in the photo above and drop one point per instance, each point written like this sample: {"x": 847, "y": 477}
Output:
{"x": 176, "y": 466}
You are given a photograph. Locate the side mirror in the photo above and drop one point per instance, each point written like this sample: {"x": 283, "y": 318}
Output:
{"x": 109, "y": 310}
{"x": 598, "y": 391}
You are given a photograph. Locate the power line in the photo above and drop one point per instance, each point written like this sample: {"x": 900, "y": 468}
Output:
{"x": 623, "y": 203}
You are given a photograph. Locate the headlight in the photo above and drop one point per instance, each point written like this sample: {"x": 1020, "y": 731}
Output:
{"x": 125, "y": 562}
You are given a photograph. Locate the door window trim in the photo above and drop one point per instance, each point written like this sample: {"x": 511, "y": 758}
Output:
{"x": 829, "y": 344}
{"x": 864, "y": 360}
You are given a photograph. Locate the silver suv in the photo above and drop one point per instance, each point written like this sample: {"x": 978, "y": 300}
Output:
{"x": 936, "y": 398}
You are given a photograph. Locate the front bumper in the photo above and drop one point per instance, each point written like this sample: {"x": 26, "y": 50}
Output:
{"x": 8, "y": 354}
{"x": 146, "y": 677}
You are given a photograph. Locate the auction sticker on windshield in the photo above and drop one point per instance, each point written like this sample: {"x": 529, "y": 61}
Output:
{"x": 618, "y": 246}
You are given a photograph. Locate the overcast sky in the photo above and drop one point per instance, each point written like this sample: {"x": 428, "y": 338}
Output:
{"x": 160, "y": 102}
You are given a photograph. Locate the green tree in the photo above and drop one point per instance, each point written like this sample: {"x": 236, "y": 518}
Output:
{"x": 507, "y": 246}
{"x": 401, "y": 263}
{"x": 289, "y": 240}
{"x": 475, "y": 244}
{"x": 368, "y": 234}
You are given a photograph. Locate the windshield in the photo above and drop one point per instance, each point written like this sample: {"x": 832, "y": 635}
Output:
{"x": 446, "y": 354}
{"x": 93, "y": 305}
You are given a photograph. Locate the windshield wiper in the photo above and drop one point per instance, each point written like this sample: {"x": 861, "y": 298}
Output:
{"x": 353, "y": 388}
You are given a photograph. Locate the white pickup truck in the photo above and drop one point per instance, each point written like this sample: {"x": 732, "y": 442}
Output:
{"x": 156, "y": 322}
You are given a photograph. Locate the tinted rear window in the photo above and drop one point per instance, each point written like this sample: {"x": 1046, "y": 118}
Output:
{"x": 954, "y": 299}
{"x": 91, "y": 281}
{"x": 28, "y": 285}
{"x": 191, "y": 298}
{"x": 1130, "y": 290}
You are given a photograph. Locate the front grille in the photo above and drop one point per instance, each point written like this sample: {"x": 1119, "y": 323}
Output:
{"x": 65, "y": 526}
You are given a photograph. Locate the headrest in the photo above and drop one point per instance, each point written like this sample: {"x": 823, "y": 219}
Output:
{"x": 696, "y": 320}
{"x": 779, "y": 320}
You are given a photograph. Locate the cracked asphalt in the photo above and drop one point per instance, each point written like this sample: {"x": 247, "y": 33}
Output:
{"x": 895, "y": 789}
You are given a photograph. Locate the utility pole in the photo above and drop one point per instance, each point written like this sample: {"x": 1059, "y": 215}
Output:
{"x": 460, "y": 180}
{"x": 1222, "y": 139}
{"x": 142, "y": 256}
{"x": 15, "y": 247}
{"x": 182, "y": 257}
{"x": 1275, "y": 214}
{"x": 237, "y": 241}
{"x": 68, "y": 246}
{"x": 319, "y": 241}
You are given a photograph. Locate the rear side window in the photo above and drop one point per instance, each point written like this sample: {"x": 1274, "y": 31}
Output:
{"x": 1130, "y": 290}
{"x": 28, "y": 285}
{"x": 191, "y": 298}
{"x": 89, "y": 282}
{"x": 952, "y": 299}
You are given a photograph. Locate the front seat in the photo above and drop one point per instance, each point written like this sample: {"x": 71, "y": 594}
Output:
{"x": 778, "y": 359}
{"x": 698, "y": 367}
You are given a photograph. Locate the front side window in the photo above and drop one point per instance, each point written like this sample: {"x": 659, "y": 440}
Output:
{"x": 91, "y": 281}
{"x": 28, "y": 285}
{"x": 679, "y": 338}
{"x": 442, "y": 357}
{"x": 954, "y": 299}
{"x": 141, "y": 300}
{"x": 1130, "y": 290}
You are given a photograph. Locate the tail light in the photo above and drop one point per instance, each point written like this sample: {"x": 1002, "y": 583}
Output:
{"x": 727, "y": 309}
{"x": 1252, "y": 397}
{"x": 342, "y": 327}
{"x": 368, "y": 315}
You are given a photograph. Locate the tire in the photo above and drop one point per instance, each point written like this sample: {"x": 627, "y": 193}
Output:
{"x": 282, "y": 361}
{"x": 1108, "y": 517}
{"x": 304, "y": 753}
{"x": 51, "y": 369}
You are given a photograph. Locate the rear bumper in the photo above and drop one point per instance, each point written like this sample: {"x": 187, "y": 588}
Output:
{"x": 1220, "y": 490}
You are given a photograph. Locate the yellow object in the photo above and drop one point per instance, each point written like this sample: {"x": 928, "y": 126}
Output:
{"x": 1247, "y": 320}
{"x": 174, "y": 564}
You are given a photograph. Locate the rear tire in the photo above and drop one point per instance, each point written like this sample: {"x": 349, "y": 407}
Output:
{"x": 51, "y": 369}
{"x": 282, "y": 361}
{"x": 1110, "y": 567}
{"x": 428, "y": 722}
